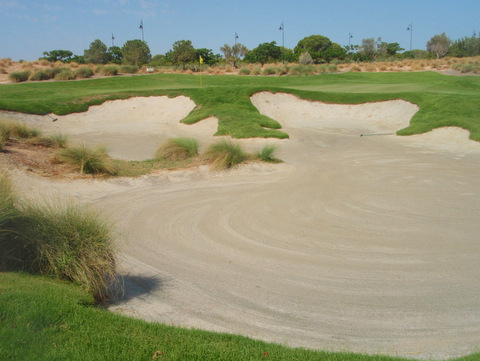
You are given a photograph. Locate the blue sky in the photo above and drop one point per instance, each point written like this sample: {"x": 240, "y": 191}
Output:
{"x": 29, "y": 27}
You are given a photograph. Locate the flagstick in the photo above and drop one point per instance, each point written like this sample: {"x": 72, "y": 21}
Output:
{"x": 200, "y": 60}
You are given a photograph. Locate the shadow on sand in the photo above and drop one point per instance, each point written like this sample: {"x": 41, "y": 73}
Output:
{"x": 129, "y": 286}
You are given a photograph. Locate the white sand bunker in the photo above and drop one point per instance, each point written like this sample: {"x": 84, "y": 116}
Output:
{"x": 296, "y": 113}
{"x": 133, "y": 128}
{"x": 380, "y": 117}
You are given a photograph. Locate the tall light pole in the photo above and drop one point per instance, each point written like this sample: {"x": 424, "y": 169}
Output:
{"x": 236, "y": 37}
{"x": 410, "y": 28}
{"x": 282, "y": 29}
{"x": 113, "y": 40}
{"x": 350, "y": 36}
{"x": 141, "y": 28}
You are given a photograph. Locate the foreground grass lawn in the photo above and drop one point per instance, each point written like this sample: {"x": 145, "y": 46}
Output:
{"x": 43, "y": 319}
{"x": 443, "y": 100}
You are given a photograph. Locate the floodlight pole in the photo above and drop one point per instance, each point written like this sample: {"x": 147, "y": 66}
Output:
{"x": 410, "y": 28}
{"x": 350, "y": 36}
{"x": 113, "y": 39}
{"x": 236, "y": 37}
{"x": 141, "y": 27}
{"x": 282, "y": 29}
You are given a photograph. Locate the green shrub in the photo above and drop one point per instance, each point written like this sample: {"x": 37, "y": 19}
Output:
{"x": 176, "y": 149}
{"x": 52, "y": 72}
{"x": 270, "y": 70}
{"x": 224, "y": 154}
{"x": 65, "y": 74}
{"x": 308, "y": 70}
{"x": 83, "y": 72}
{"x": 332, "y": 68}
{"x": 295, "y": 70}
{"x": 283, "y": 70}
{"x": 256, "y": 71}
{"x": 244, "y": 71}
{"x": 267, "y": 154}
{"x": 128, "y": 69}
{"x": 305, "y": 58}
{"x": 88, "y": 160}
{"x": 322, "y": 69}
{"x": 109, "y": 70}
{"x": 19, "y": 76}
{"x": 39, "y": 75}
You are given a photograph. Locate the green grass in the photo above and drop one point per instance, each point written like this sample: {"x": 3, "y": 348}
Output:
{"x": 443, "y": 100}
{"x": 88, "y": 160}
{"x": 44, "y": 319}
{"x": 176, "y": 149}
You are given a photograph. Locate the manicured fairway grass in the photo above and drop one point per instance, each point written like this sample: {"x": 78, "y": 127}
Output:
{"x": 443, "y": 100}
{"x": 42, "y": 319}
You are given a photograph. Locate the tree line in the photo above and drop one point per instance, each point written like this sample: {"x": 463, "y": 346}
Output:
{"x": 314, "y": 49}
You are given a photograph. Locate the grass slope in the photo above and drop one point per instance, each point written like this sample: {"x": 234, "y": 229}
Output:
{"x": 43, "y": 319}
{"x": 443, "y": 100}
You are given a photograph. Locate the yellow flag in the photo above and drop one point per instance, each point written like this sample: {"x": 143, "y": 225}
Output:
{"x": 201, "y": 60}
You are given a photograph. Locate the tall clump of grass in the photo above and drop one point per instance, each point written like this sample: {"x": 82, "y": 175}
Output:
{"x": 67, "y": 242}
{"x": 176, "y": 149}
{"x": 65, "y": 74}
{"x": 24, "y": 131}
{"x": 109, "y": 70}
{"x": 83, "y": 72}
{"x": 56, "y": 239}
{"x": 224, "y": 155}
{"x": 19, "y": 76}
{"x": 88, "y": 160}
{"x": 39, "y": 75}
{"x": 57, "y": 140}
{"x": 5, "y": 131}
{"x": 267, "y": 154}
{"x": 8, "y": 212}
{"x": 244, "y": 71}
{"x": 129, "y": 69}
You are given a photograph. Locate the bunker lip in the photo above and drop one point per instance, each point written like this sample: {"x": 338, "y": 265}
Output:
{"x": 363, "y": 244}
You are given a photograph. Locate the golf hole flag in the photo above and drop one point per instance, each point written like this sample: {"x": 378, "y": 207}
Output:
{"x": 201, "y": 60}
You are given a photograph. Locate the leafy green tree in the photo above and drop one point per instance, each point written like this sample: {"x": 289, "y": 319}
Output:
{"x": 96, "y": 53}
{"x": 288, "y": 55}
{"x": 439, "y": 45}
{"x": 334, "y": 52}
{"x": 233, "y": 54}
{"x": 160, "y": 60}
{"x": 55, "y": 55}
{"x": 314, "y": 44}
{"x": 207, "y": 56}
{"x": 183, "y": 52}
{"x": 115, "y": 54}
{"x": 368, "y": 49}
{"x": 264, "y": 53}
{"x": 467, "y": 46}
{"x": 393, "y": 48}
{"x": 135, "y": 52}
